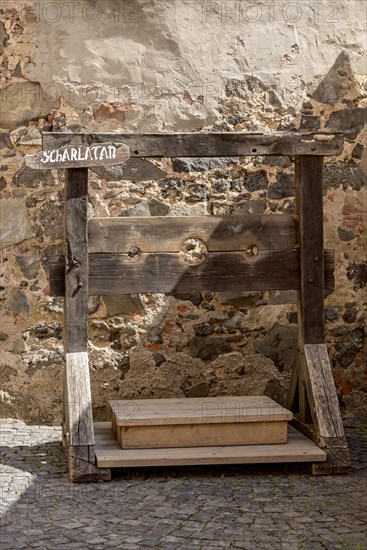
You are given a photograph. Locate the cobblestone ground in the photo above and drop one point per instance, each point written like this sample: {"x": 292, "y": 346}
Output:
{"x": 199, "y": 508}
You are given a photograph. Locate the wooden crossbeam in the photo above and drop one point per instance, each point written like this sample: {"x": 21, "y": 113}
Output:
{"x": 208, "y": 145}
{"x": 168, "y": 234}
{"x": 136, "y": 255}
{"x": 119, "y": 274}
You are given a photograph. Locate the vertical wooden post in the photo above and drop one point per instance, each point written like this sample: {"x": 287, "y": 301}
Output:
{"x": 76, "y": 263}
{"x": 78, "y": 432}
{"x": 311, "y": 229}
{"x": 317, "y": 393}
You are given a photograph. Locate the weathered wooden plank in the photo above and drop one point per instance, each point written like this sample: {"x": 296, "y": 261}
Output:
{"x": 168, "y": 234}
{"x": 298, "y": 449}
{"x": 76, "y": 268}
{"x": 197, "y": 144}
{"x": 120, "y": 274}
{"x": 170, "y": 273}
{"x": 310, "y": 212}
{"x": 79, "y": 156}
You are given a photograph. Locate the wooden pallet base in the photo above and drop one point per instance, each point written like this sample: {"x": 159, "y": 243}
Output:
{"x": 109, "y": 454}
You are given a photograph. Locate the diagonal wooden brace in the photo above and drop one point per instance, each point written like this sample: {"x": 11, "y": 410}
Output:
{"x": 326, "y": 429}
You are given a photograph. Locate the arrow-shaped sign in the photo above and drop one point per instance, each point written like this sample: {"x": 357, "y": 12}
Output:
{"x": 79, "y": 156}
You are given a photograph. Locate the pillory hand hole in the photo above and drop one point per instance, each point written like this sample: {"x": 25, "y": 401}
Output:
{"x": 134, "y": 253}
{"x": 252, "y": 250}
{"x": 194, "y": 251}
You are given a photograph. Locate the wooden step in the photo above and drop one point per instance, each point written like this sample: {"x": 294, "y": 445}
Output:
{"x": 109, "y": 454}
{"x": 199, "y": 422}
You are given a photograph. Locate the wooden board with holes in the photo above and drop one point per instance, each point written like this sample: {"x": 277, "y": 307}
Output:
{"x": 169, "y": 233}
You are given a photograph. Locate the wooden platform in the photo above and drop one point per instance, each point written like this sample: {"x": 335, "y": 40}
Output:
{"x": 199, "y": 422}
{"x": 109, "y": 454}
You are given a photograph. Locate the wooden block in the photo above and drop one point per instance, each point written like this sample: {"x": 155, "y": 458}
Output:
{"x": 110, "y": 455}
{"x": 202, "y": 435}
{"x": 198, "y": 410}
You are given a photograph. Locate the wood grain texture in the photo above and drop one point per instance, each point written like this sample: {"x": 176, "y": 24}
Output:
{"x": 119, "y": 274}
{"x": 202, "y": 435}
{"x": 168, "y": 234}
{"x": 298, "y": 449}
{"x": 201, "y": 144}
{"x": 310, "y": 211}
{"x": 170, "y": 273}
{"x": 78, "y": 399}
{"x": 321, "y": 390}
{"x": 198, "y": 410}
{"x": 76, "y": 267}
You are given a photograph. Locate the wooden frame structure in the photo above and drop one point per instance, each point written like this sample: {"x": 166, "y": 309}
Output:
{"x": 289, "y": 255}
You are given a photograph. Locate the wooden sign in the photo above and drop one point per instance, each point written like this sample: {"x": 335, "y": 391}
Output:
{"x": 80, "y": 156}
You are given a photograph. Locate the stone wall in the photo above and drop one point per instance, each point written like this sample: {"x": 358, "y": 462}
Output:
{"x": 178, "y": 65}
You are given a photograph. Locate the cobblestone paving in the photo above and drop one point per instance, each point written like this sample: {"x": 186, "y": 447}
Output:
{"x": 276, "y": 507}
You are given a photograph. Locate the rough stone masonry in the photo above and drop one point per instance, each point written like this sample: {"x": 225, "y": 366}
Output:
{"x": 147, "y": 66}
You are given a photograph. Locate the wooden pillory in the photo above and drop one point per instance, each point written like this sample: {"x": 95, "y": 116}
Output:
{"x": 136, "y": 255}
